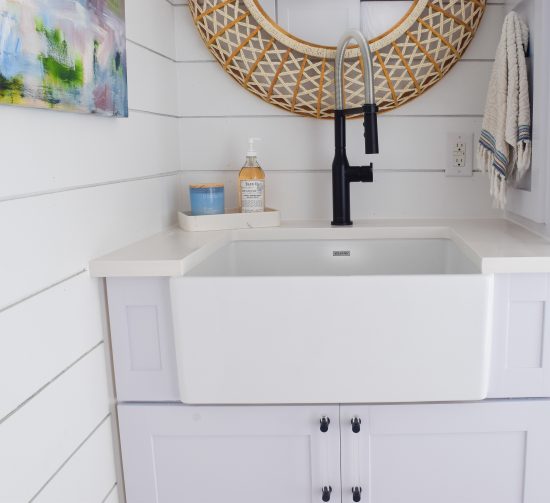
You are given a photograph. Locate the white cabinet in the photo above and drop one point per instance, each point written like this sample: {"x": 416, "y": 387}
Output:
{"x": 485, "y": 452}
{"x": 146, "y": 369}
{"x": 477, "y": 452}
{"x": 182, "y": 454}
{"x": 489, "y": 452}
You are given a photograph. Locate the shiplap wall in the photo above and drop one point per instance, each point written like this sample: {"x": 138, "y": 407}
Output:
{"x": 216, "y": 116}
{"x": 75, "y": 186}
{"x": 71, "y": 188}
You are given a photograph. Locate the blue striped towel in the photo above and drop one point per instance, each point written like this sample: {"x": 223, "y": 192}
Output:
{"x": 504, "y": 149}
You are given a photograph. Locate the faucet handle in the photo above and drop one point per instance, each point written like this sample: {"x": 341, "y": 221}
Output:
{"x": 370, "y": 125}
{"x": 360, "y": 173}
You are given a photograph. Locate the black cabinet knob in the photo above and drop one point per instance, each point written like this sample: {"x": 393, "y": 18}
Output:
{"x": 356, "y": 425}
{"x": 327, "y": 490}
{"x": 325, "y": 422}
{"x": 356, "y": 491}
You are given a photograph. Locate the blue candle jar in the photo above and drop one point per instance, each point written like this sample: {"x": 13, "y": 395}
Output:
{"x": 207, "y": 199}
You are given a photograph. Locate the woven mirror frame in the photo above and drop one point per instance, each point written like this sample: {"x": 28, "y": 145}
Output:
{"x": 298, "y": 76}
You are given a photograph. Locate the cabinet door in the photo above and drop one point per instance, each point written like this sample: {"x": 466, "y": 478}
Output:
{"x": 484, "y": 452}
{"x": 185, "y": 454}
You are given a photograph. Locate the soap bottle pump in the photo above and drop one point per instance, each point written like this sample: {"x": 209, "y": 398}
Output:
{"x": 251, "y": 182}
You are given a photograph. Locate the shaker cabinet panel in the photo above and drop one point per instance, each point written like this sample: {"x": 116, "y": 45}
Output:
{"x": 184, "y": 454}
{"x": 142, "y": 339}
{"x": 521, "y": 336}
{"x": 451, "y": 453}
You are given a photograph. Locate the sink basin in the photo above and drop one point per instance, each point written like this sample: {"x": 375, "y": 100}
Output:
{"x": 333, "y": 321}
{"x": 318, "y": 257}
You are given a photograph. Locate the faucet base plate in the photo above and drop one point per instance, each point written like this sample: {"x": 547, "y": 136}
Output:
{"x": 340, "y": 224}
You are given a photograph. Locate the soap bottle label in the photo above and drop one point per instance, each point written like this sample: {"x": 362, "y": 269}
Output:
{"x": 252, "y": 196}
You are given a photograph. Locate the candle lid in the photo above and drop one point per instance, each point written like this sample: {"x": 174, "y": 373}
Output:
{"x": 207, "y": 186}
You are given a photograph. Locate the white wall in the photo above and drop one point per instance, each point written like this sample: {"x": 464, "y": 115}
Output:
{"x": 75, "y": 186}
{"x": 217, "y": 116}
{"x": 71, "y": 188}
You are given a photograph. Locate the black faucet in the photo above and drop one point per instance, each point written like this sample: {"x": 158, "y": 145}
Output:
{"x": 342, "y": 173}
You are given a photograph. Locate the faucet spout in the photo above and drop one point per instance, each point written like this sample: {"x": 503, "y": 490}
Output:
{"x": 342, "y": 173}
{"x": 366, "y": 54}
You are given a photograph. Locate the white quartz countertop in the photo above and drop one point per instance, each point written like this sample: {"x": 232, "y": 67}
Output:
{"x": 495, "y": 246}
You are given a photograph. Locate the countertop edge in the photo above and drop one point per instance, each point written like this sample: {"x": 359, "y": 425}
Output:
{"x": 128, "y": 268}
{"x": 496, "y": 246}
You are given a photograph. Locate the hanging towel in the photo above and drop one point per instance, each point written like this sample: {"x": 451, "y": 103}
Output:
{"x": 504, "y": 149}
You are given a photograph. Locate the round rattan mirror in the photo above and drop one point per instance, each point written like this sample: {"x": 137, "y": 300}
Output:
{"x": 298, "y": 75}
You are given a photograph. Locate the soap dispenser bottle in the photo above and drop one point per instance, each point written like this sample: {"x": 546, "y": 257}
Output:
{"x": 251, "y": 182}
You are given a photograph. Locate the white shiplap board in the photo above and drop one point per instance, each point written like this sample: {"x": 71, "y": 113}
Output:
{"x": 37, "y": 440}
{"x": 151, "y": 81}
{"x": 112, "y": 496}
{"x": 46, "y": 334}
{"x": 150, "y": 23}
{"x": 89, "y": 476}
{"x": 71, "y": 187}
{"x": 51, "y": 237}
{"x": 189, "y": 45}
{"x": 422, "y": 142}
{"x": 486, "y": 40}
{"x": 98, "y": 150}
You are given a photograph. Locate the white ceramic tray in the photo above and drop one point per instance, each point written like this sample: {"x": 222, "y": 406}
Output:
{"x": 231, "y": 219}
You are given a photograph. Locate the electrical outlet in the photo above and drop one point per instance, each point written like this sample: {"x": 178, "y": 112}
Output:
{"x": 459, "y": 161}
{"x": 459, "y": 154}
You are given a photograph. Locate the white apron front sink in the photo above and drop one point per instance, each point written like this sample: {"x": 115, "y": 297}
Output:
{"x": 333, "y": 321}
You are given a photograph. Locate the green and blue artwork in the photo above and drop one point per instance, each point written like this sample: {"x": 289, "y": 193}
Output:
{"x": 64, "y": 55}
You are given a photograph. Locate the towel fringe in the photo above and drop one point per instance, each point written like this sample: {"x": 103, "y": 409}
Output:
{"x": 485, "y": 158}
{"x": 497, "y": 183}
{"x": 523, "y": 154}
{"x": 498, "y": 189}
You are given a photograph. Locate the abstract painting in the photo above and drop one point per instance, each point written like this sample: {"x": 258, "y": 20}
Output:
{"x": 65, "y": 55}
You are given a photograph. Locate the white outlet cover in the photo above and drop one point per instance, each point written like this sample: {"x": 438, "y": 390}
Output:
{"x": 459, "y": 165}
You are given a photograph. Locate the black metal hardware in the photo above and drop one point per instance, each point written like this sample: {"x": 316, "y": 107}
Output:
{"x": 327, "y": 490}
{"x": 342, "y": 173}
{"x": 360, "y": 173}
{"x": 325, "y": 422}
{"x": 356, "y": 491}
{"x": 356, "y": 425}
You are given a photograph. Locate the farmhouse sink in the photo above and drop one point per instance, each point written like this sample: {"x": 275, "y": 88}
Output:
{"x": 316, "y": 257}
{"x": 332, "y": 321}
